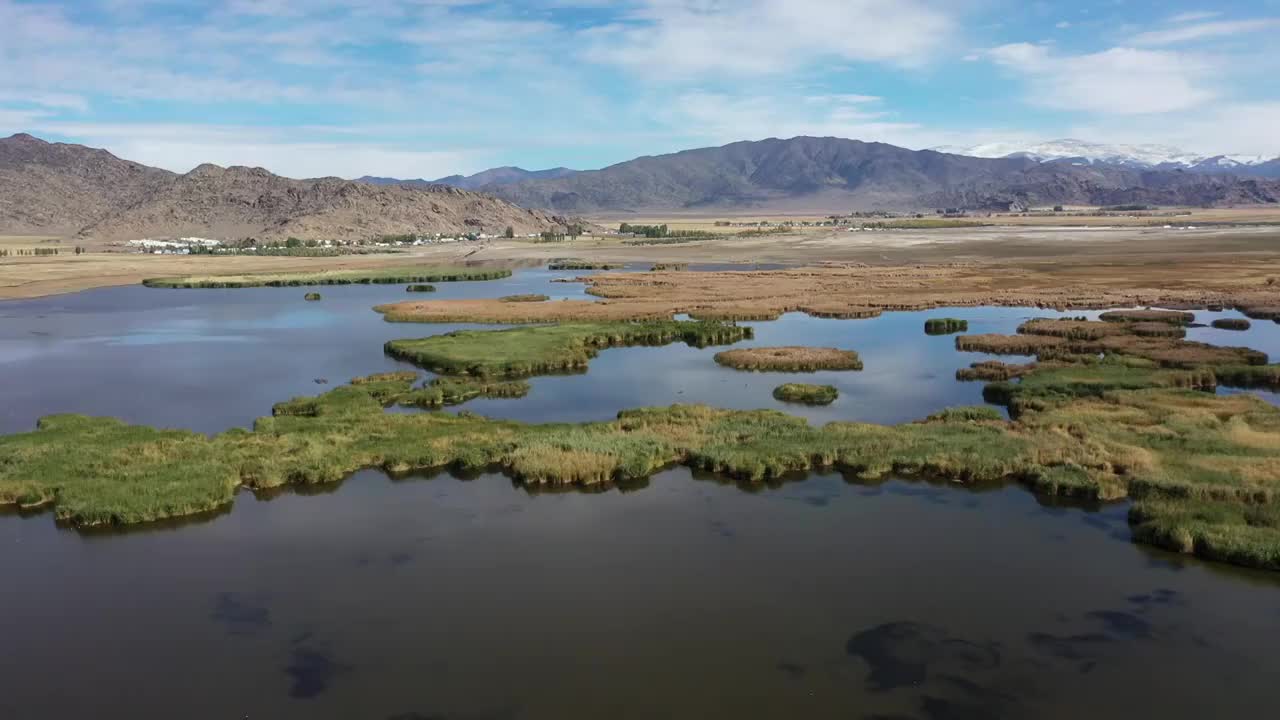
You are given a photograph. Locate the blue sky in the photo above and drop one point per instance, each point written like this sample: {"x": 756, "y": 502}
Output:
{"x": 424, "y": 88}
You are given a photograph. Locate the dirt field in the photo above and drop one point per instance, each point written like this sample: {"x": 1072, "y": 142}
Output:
{"x": 1119, "y": 257}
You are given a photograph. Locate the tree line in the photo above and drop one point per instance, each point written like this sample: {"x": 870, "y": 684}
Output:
{"x": 36, "y": 252}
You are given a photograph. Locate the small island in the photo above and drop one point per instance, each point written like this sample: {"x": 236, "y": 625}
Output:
{"x": 311, "y": 296}
{"x": 420, "y": 288}
{"x": 945, "y": 326}
{"x": 806, "y": 394}
{"x": 790, "y": 359}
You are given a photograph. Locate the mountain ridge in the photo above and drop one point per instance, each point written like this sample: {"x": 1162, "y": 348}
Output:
{"x": 837, "y": 174}
{"x": 61, "y": 188}
{"x": 504, "y": 175}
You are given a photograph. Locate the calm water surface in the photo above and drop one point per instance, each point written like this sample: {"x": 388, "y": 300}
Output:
{"x": 439, "y": 597}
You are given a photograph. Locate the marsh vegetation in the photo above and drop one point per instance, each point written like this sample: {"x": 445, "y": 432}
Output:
{"x": 790, "y": 359}
{"x": 376, "y": 276}
{"x": 945, "y": 326}
{"x": 806, "y": 394}
{"x": 543, "y": 349}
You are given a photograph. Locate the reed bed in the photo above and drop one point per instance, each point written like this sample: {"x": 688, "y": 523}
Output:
{"x": 993, "y": 370}
{"x": 1175, "y": 317}
{"x": 582, "y": 265}
{"x": 806, "y": 394}
{"x": 527, "y": 298}
{"x": 790, "y": 359}
{"x": 376, "y": 276}
{"x": 945, "y": 326}
{"x": 544, "y": 349}
{"x": 1204, "y": 469}
{"x": 1232, "y": 324}
{"x": 420, "y": 288}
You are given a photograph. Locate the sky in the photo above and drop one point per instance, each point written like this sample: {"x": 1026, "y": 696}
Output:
{"x": 427, "y": 88}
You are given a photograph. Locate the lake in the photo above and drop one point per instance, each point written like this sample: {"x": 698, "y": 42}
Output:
{"x": 686, "y": 596}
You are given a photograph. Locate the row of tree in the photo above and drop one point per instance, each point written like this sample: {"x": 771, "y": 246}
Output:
{"x": 661, "y": 231}
{"x": 37, "y": 252}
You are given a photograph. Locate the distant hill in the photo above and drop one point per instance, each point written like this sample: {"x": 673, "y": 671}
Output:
{"x": 60, "y": 188}
{"x": 57, "y": 188}
{"x": 834, "y": 174}
{"x": 492, "y": 177}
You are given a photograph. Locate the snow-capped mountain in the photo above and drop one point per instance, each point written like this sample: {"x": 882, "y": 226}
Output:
{"x": 1136, "y": 156}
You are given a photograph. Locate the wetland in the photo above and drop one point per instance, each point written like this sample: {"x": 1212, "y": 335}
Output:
{"x": 312, "y": 525}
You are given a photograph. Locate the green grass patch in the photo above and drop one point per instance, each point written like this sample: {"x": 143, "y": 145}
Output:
{"x": 375, "y": 276}
{"x": 545, "y": 349}
{"x": 945, "y": 326}
{"x": 582, "y": 265}
{"x": 530, "y": 297}
{"x": 806, "y": 394}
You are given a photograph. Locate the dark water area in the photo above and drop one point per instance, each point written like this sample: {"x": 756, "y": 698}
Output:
{"x": 687, "y": 597}
{"x": 684, "y": 596}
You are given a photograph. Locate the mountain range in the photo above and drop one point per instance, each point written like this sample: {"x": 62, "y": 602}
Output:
{"x": 1145, "y": 157}
{"x": 492, "y": 177}
{"x": 825, "y": 174}
{"x": 65, "y": 189}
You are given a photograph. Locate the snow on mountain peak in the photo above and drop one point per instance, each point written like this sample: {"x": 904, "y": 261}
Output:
{"x": 1135, "y": 155}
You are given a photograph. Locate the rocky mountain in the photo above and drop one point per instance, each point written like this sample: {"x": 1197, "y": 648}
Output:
{"x": 57, "y": 188}
{"x": 71, "y": 189}
{"x": 493, "y": 176}
{"x": 834, "y": 174}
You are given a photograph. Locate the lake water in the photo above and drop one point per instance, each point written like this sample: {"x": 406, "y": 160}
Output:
{"x": 687, "y": 596}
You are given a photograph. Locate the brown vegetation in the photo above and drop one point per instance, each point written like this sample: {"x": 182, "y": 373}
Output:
{"x": 790, "y": 359}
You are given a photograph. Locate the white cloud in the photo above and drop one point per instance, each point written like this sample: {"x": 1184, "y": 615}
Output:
{"x": 1194, "y": 15}
{"x": 1119, "y": 81}
{"x": 688, "y": 39}
{"x": 1200, "y": 31}
{"x": 705, "y": 118}
{"x": 1247, "y": 128}
{"x": 293, "y": 152}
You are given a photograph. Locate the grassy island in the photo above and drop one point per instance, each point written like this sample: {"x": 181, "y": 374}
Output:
{"x": 582, "y": 265}
{"x": 806, "y": 394}
{"x": 375, "y": 276}
{"x": 547, "y": 349}
{"x": 530, "y": 297}
{"x": 945, "y": 326}
{"x": 1232, "y": 324}
{"x": 311, "y": 296}
{"x": 1200, "y": 468}
{"x": 420, "y": 288}
{"x": 790, "y": 359}
{"x": 1174, "y": 317}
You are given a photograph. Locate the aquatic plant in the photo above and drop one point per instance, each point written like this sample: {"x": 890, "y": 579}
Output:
{"x": 806, "y": 394}
{"x": 1232, "y": 324}
{"x": 377, "y": 276}
{"x": 550, "y": 348}
{"x": 1204, "y": 469}
{"x": 669, "y": 267}
{"x": 945, "y": 326}
{"x": 990, "y": 370}
{"x": 790, "y": 359}
{"x": 531, "y": 297}
{"x": 571, "y": 264}
{"x": 420, "y": 288}
{"x": 311, "y": 296}
{"x": 1175, "y": 317}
